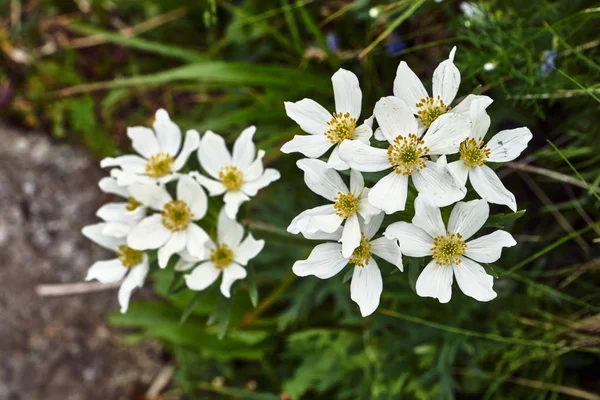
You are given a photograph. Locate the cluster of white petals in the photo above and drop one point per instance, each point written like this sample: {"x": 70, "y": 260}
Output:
{"x": 424, "y": 140}
{"x": 163, "y": 203}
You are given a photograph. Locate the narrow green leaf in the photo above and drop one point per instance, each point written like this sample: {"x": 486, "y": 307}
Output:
{"x": 189, "y": 308}
{"x": 252, "y": 287}
{"x": 501, "y": 221}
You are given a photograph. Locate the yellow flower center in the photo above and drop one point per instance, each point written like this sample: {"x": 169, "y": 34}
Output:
{"x": 221, "y": 256}
{"x": 232, "y": 177}
{"x": 159, "y": 164}
{"x": 176, "y": 215}
{"x": 448, "y": 249}
{"x": 362, "y": 254}
{"x": 341, "y": 127}
{"x": 128, "y": 256}
{"x": 474, "y": 152}
{"x": 346, "y": 204}
{"x": 132, "y": 204}
{"x": 407, "y": 154}
{"x": 429, "y": 109}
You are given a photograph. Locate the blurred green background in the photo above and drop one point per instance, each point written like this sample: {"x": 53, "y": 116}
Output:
{"x": 85, "y": 70}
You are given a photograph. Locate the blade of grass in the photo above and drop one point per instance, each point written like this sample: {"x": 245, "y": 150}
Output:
{"x": 332, "y": 58}
{"x": 292, "y": 26}
{"x": 578, "y": 54}
{"x": 587, "y": 185}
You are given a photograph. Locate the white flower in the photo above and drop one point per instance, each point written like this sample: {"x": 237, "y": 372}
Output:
{"x": 161, "y": 153}
{"x": 173, "y": 230}
{"x": 327, "y": 129}
{"x": 348, "y": 204}
{"x": 239, "y": 175}
{"x": 228, "y": 255}
{"x": 119, "y": 216}
{"x": 128, "y": 262}
{"x": 452, "y": 254}
{"x": 407, "y": 155}
{"x": 326, "y": 260}
{"x": 474, "y": 153}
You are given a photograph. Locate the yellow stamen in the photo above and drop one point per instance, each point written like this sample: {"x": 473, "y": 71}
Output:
{"x": 221, "y": 256}
{"x": 346, "y": 204}
{"x": 159, "y": 164}
{"x": 362, "y": 254}
{"x": 128, "y": 256}
{"x": 407, "y": 154}
{"x": 132, "y": 204}
{"x": 448, "y": 249}
{"x": 474, "y": 152}
{"x": 176, "y": 215}
{"x": 429, "y": 109}
{"x": 232, "y": 177}
{"x": 341, "y": 127}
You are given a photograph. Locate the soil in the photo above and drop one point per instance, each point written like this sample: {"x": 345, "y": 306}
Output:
{"x": 55, "y": 348}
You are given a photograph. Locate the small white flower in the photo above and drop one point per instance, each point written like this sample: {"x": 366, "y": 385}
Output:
{"x": 325, "y": 129}
{"x": 471, "y": 10}
{"x": 130, "y": 262}
{"x": 239, "y": 175}
{"x": 489, "y": 66}
{"x": 474, "y": 154}
{"x": 348, "y": 204}
{"x": 173, "y": 230}
{"x": 326, "y": 260}
{"x": 452, "y": 254}
{"x": 161, "y": 153}
{"x": 229, "y": 255}
{"x": 119, "y": 216}
{"x": 407, "y": 155}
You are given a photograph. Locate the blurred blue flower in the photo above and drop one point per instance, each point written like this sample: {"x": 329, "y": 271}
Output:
{"x": 394, "y": 44}
{"x": 333, "y": 42}
{"x": 548, "y": 61}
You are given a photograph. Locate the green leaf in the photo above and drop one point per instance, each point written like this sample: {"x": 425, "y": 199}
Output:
{"x": 251, "y": 282}
{"x": 414, "y": 266}
{"x": 189, "y": 308}
{"x": 502, "y": 221}
{"x": 220, "y": 316}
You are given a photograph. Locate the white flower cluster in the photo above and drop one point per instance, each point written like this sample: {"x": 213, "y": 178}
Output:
{"x": 419, "y": 132}
{"x": 163, "y": 204}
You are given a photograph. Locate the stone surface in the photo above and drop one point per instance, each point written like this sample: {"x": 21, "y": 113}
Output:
{"x": 55, "y": 348}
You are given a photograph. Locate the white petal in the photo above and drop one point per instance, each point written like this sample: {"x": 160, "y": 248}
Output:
{"x": 366, "y": 287}
{"x": 437, "y": 185}
{"x": 150, "y": 195}
{"x": 322, "y": 180}
{"x": 175, "y": 244}
{"x": 379, "y": 135}
{"x": 363, "y": 157}
{"x": 202, "y": 276}
{"x": 252, "y": 188}
{"x": 190, "y": 192}
{"x": 363, "y": 133}
{"x": 408, "y": 87}
{"x": 255, "y": 169}
{"x": 323, "y": 262}
{"x": 350, "y": 236}
{"x": 446, "y": 133}
{"x": 370, "y": 228}
{"x": 389, "y": 194}
{"x": 467, "y": 218}
{"x": 414, "y": 241}
{"x": 249, "y": 249}
{"x": 214, "y": 187}
{"x": 309, "y": 221}
{"x": 489, "y": 187}
{"x": 191, "y": 143}
{"x": 435, "y": 281}
{"x": 197, "y": 239}
{"x": 117, "y": 212}
{"x": 110, "y": 185}
{"x": 357, "y": 182}
{"x": 125, "y": 178}
{"x": 94, "y": 233}
{"x": 446, "y": 79}
{"x": 106, "y": 271}
{"x": 213, "y": 154}
{"x": 366, "y": 209}
{"x": 335, "y": 161}
{"x": 167, "y": 133}
{"x": 464, "y": 107}
{"x": 428, "y": 218}
{"x": 346, "y": 90}
{"x": 135, "y": 279}
{"x": 333, "y": 236}
{"x": 310, "y": 115}
{"x": 474, "y": 281}
{"x": 480, "y": 120}
{"x": 233, "y": 200}
{"x": 150, "y": 233}
{"x": 460, "y": 171}
{"x": 143, "y": 141}
{"x": 394, "y": 118}
{"x": 183, "y": 265}
{"x": 507, "y": 145}
{"x": 129, "y": 163}
{"x": 231, "y": 273}
{"x": 488, "y": 248}
{"x": 309, "y": 145}
{"x": 117, "y": 229}
{"x": 229, "y": 231}
{"x": 389, "y": 250}
{"x": 244, "y": 150}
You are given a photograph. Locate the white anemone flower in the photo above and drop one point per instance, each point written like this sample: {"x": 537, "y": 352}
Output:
{"x": 453, "y": 254}
{"x": 239, "y": 175}
{"x": 326, "y": 260}
{"x": 474, "y": 154}
{"x": 173, "y": 229}
{"x": 408, "y": 155}
{"x": 128, "y": 261}
{"x": 347, "y": 205}
{"x": 120, "y": 215}
{"x": 228, "y": 256}
{"x": 161, "y": 155}
{"x": 325, "y": 129}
